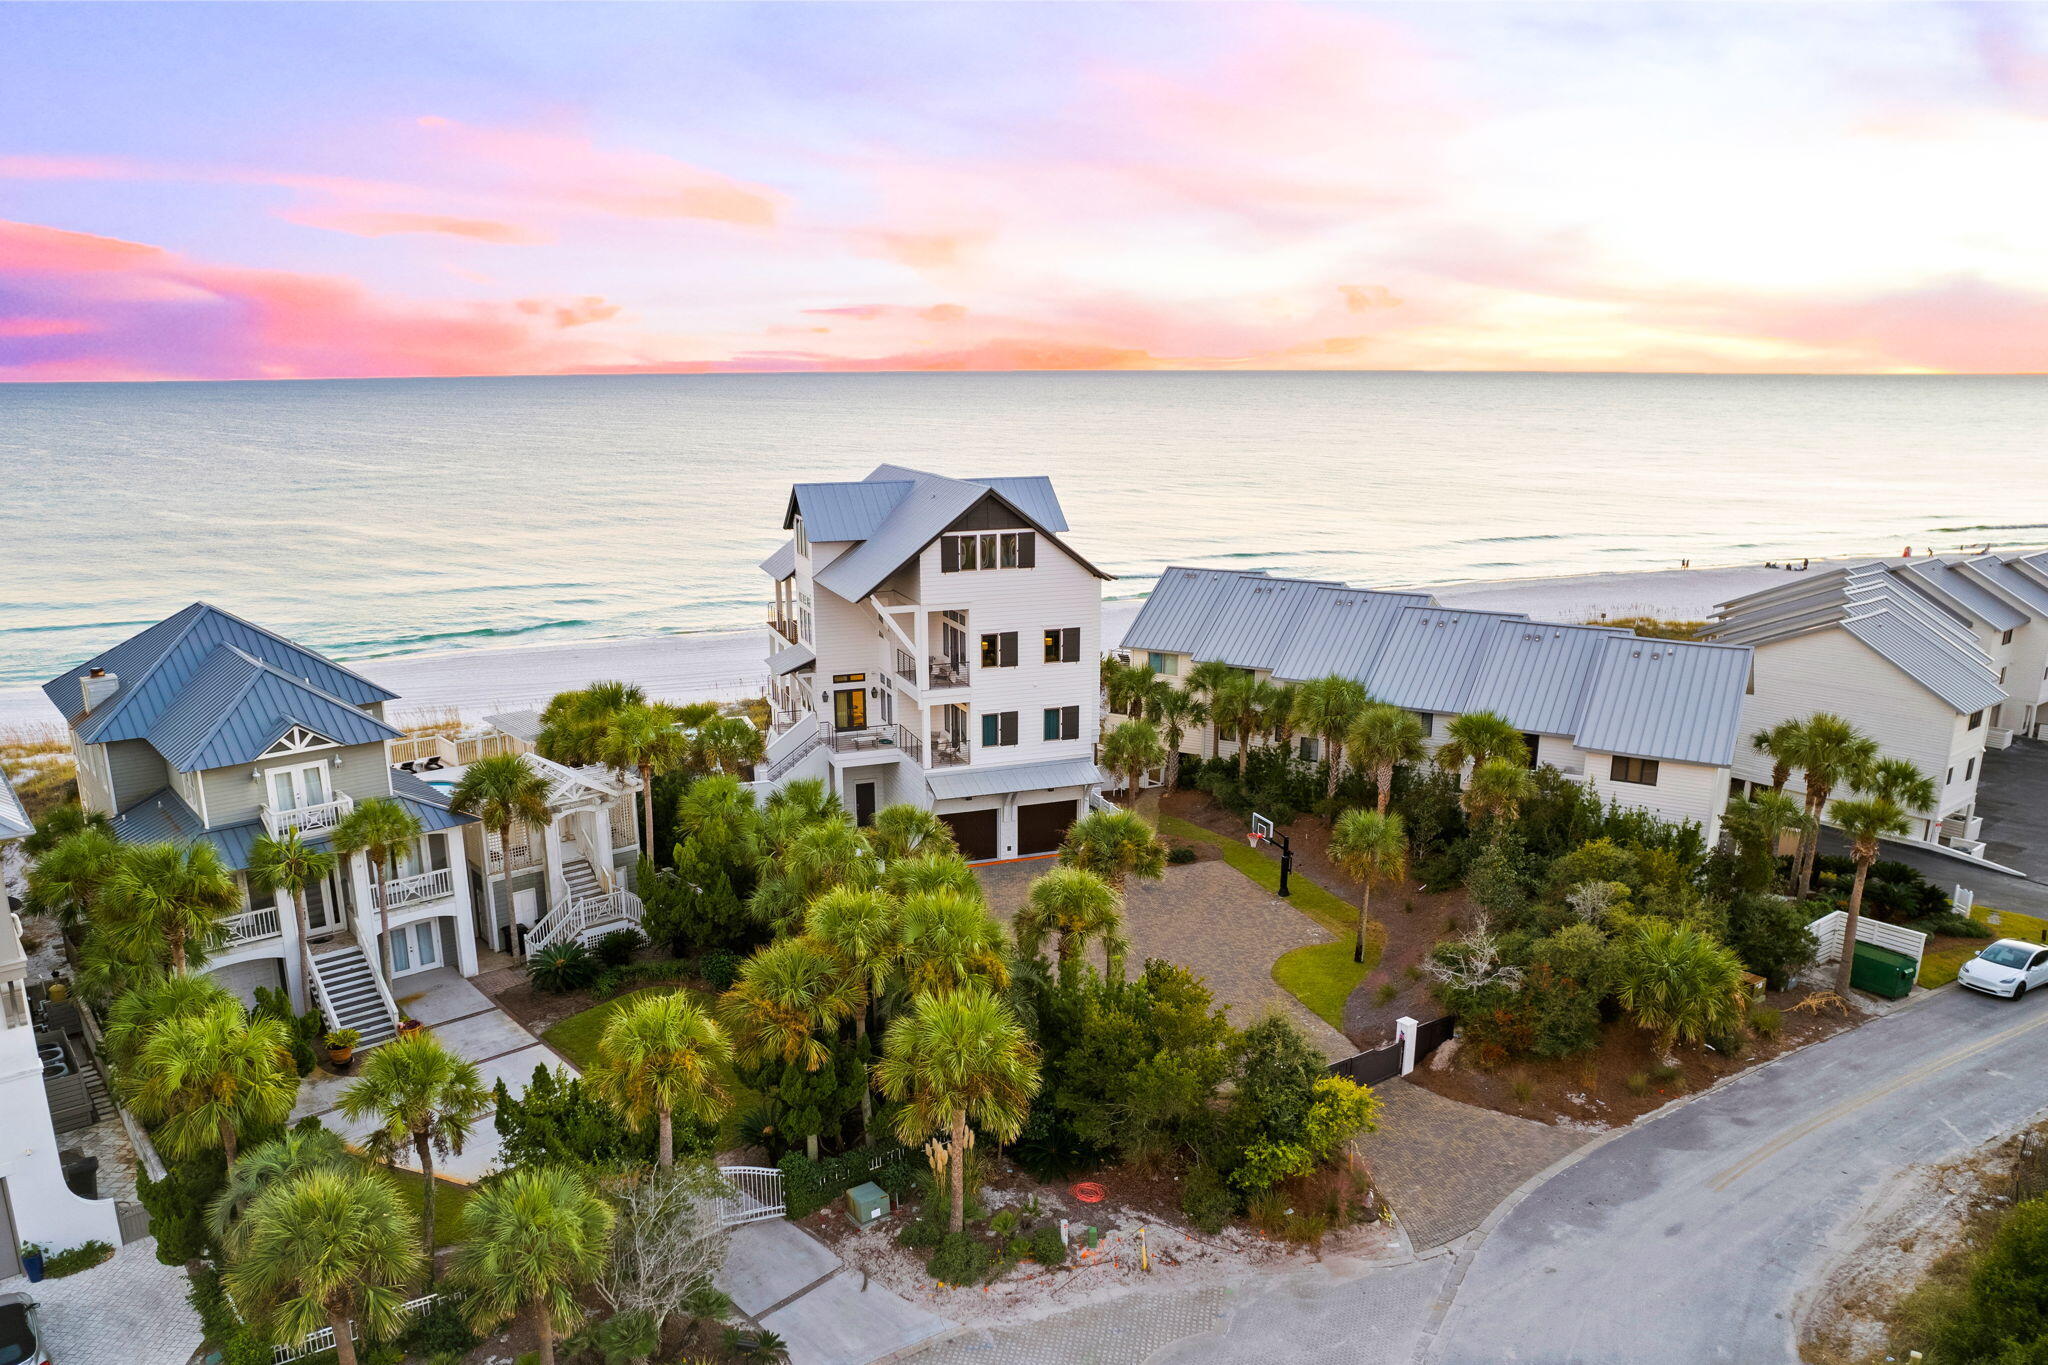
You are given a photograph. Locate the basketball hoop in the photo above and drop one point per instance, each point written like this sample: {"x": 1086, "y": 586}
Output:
{"x": 1253, "y": 837}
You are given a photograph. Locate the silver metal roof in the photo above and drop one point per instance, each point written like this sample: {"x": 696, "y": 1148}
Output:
{"x": 1535, "y": 675}
{"x": 782, "y": 563}
{"x": 790, "y": 658}
{"x": 2011, "y": 580}
{"x": 1966, "y": 683}
{"x": 1666, "y": 699}
{"x": 1343, "y": 630}
{"x": 1432, "y": 658}
{"x": 14, "y": 821}
{"x": 927, "y": 507}
{"x": 1178, "y": 610}
{"x": 949, "y": 783}
{"x": 845, "y": 511}
{"x": 1959, "y": 591}
{"x": 1254, "y": 620}
{"x": 518, "y": 724}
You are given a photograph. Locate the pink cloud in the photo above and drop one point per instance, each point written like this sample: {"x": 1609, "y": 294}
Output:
{"x": 42, "y": 327}
{"x": 875, "y": 312}
{"x": 429, "y": 224}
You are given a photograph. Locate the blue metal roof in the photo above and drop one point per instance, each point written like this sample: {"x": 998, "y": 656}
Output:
{"x": 845, "y": 511}
{"x": 163, "y": 818}
{"x": 782, "y": 563}
{"x": 152, "y": 667}
{"x": 426, "y": 801}
{"x": 1432, "y": 657}
{"x": 1667, "y": 699}
{"x": 233, "y": 708}
{"x": 1254, "y": 620}
{"x": 1001, "y": 779}
{"x": 1031, "y": 494}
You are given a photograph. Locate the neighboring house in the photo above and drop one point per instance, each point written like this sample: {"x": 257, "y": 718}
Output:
{"x": 205, "y": 726}
{"x": 36, "y": 1205}
{"x": 1935, "y": 659}
{"x": 936, "y": 642}
{"x": 571, "y": 879}
{"x": 1649, "y": 724}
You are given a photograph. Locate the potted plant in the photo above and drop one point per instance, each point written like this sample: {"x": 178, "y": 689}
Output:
{"x": 407, "y": 1025}
{"x": 341, "y": 1045}
{"x": 32, "y": 1254}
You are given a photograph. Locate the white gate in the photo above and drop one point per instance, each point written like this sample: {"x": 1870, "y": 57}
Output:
{"x": 756, "y": 1195}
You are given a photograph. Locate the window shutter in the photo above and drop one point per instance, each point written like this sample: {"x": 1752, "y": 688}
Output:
{"x": 1027, "y": 550}
{"x": 1070, "y": 644}
{"x": 1070, "y": 722}
{"x": 949, "y": 554}
{"x": 1010, "y": 725}
{"x": 991, "y": 735}
{"x": 1009, "y": 649}
{"x": 1052, "y": 722}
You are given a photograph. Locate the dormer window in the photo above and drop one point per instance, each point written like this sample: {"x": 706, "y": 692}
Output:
{"x": 988, "y": 550}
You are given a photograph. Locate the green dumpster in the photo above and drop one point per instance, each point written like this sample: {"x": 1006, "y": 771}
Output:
{"x": 1881, "y": 971}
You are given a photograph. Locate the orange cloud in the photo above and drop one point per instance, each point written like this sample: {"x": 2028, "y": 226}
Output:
{"x": 1360, "y": 298}
{"x": 875, "y": 312}
{"x": 31, "y": 248}
{"x": 396, "y": 224}
{"x": 584, "y": 311}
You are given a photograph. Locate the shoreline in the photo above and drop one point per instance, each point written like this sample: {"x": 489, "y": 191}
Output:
{"x": 727, "y": 665}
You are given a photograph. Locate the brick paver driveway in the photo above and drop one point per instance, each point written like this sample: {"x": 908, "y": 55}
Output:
{"x": 129, "y": 1311}
{"x": 1213, "y": 920}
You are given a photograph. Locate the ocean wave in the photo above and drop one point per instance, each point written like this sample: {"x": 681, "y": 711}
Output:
{"x": 404, "y": 644}
{"x": 80, "y": 625}
{"x": 2015, "y": 526}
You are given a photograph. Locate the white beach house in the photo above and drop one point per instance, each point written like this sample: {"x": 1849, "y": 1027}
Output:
{"x": 1649, "y": 724}
{"x": 1936, "y": 659}
{"x": 935, "y": 641}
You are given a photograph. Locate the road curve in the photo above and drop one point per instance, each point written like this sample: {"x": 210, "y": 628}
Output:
{"x": 1689, "y": 1238}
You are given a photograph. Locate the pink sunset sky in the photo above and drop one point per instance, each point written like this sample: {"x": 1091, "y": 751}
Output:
{"x": 303, "y": 191}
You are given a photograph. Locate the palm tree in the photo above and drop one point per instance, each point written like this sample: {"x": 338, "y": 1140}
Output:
{"x": 907, "y": 831}
{"x": 932, "y": 872}
{"x": 290, "y": 865}
{"x": 1280, "y": 726}
{"x": 1124, "y": 686}
{"x": 1382, "y": 739}
{"x": 1206, "y": 682}
{"x": 1828, "y": 751}
{"x": 1676, "y": 980}
{"x": 957, "y": 1057}
{"x": 1761, "y": 820}
{"x": 1241, "y": 705}
{"x": 573, "y": 723}
{"x": 1116, "y": 845}
{"x": 1327, "y": 707}
{"x": 820, "y": 857}
{"x": 161, "y": 895}
{"x": 379, "y": 829}
{"x": 60, "y": 823}
{"x": 257, "y": 1170}
{"x": 1173, "y": 710}
{"x": 645, "y": 738}
{"x": 864, "y": 930}
{"x": 662, "y": 1055}
{"x": 794, "y": 808}
{"x": 207, "y": 1078}
{"x": 1889, "y": 790}
{"x": 949, "y": 941}
{"x": 1496, "y": 792}
{"x": 1071, "y": 906}
{"x": 136, "y": 1013}
{"x": 530, "y": 1240}
{"x": 1130, "y": 749}
{"x": 328, "y": 1248}
{"x": 423, "y": 1097}
{"x": 1477, "y": 736}
{"x": 726, "y": 744}
{"x": 1373, "y": 849}
{"x": 67, "y": 878}
{"x": 1780, "y": 744}
{"x": 503, "y": 790}
{"x": 788, "y": 1004}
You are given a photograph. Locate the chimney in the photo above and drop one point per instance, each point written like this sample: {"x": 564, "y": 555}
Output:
{"x": 97, "y": 686}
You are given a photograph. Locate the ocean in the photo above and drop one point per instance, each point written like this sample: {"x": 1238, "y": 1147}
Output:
{"x": 380, "y": 518}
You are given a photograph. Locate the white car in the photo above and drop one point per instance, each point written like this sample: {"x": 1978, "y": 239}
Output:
{"x": 2008, "y": 967}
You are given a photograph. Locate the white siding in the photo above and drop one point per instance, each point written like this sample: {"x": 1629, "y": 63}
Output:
{"x": 1683, "y": 791}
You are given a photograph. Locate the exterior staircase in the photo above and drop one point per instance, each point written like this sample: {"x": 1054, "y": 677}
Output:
{"x": 581, "y": 878}
{"x": 352, "y": 996}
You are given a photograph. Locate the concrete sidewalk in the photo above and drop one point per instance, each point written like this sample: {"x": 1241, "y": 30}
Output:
{"x": 130, "y": 1311}
{"x": 791, "y": 1284}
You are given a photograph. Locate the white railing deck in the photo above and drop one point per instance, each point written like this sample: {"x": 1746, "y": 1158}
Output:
{"x": 252, "y": 925}
{"x": 568, "y": 923}
{"x": 308, "y": 819}
{"x": 323, "y": 1340}
{"x": 401, "y": 892}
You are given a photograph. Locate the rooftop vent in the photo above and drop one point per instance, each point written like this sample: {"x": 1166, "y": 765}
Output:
{"x": 96, "y": 686}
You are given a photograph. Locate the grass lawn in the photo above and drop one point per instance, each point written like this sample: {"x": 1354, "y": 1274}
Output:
{"x": 1321, "y": 976}
{"x": 448, "y": 1201}
{"x": 1939, "y": 968}
{"x": 2011, "y": 923}
{"x": 1334, "y": 913}
{"x": 576, "y": 1038}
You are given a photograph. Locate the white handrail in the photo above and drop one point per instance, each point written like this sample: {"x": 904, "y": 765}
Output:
{"x": 568, "y": 921}
{"x": 308, "y": 819}
{"x": 400, "y": 892}
{"x": 251, "y": 925}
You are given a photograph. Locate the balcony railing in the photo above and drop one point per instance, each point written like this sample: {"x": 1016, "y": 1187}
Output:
{"x": 877, "y": 738}
{"x": 524, "y": 854}
{"x": 252, "y": 925}
{"x": 401, "y": 892}
{"x": 783, "y": 626}
{"x": 308, "y": 819}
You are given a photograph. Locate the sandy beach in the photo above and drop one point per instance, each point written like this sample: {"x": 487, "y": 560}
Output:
{"x": 727, "y": 665}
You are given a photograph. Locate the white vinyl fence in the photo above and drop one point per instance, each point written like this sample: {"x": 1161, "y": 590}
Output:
{"x": 1827, "y": 930}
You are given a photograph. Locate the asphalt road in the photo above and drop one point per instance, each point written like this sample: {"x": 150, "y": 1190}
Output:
{"x": 1690, "y": 1238}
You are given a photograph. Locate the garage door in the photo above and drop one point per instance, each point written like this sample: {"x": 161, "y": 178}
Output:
{"x": 1040, "y": 827}
{"x": 975, "y": 832}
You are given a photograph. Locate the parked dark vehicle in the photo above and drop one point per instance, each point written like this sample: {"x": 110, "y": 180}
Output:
{"x": 21, "y": 1332}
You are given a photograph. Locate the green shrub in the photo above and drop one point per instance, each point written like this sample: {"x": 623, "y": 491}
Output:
{"x": 1769, "y": 934}
{"x": 223, "y": 1328}
{"x": 616, "y": 948}
{"x": 632, "y": 975}
{"x": 1664, "y": 1075}
{"x": 720, "y": 968}
{"x": 1767, "y": 1021}
{"x": 1005, "y": 1224}
{"x": 74, "y": 1259}
{"x": 1386, "y": 991}
{"x": 562, "y": 967}
{"x": 302, "y": 1030}
{"x": 1949, "y": 924}
{"x": 808, "y": 1185}
{"x": 1639, "y": 1083}
{"x": 1180, "y": 854}
{"x": 960, "y": 1259}
{"x": 558, "y": 1120}
{"x": 1045, "y": 1247}
{"x": 1206, "y": 1199}
{"x": 439, "y": 1330}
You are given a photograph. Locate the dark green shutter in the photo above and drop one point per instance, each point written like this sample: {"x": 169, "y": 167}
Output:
{"x": 991, "y": 735}
{"x": 1052, "y": 722}
{"x": 1070, "y": 723}
{"x": 1070, "y": 644}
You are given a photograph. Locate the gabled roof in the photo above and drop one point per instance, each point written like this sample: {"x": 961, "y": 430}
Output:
{"x": 893, "y": 526}
{"x": 14, "y": 821}
{"x": 426, "y": 801}
{"x": 162, "y": 817}
{"x": 1433, "y": 655}
{"x": 1959, "y": 592}
{"x": 1670, "y": 699}
{"x": 782, "y": 563}
{"x": 1255, "y": 619}
{"x": 1535, "y": 674}
{"x": 1343, "y": 630}
{"x": 1903, "y": 618}
{"x": 234, "y": 707}
{"x": 152, "y": 667}
{"x": 1178, "y": 611}
{"x": 2013, "y": 580}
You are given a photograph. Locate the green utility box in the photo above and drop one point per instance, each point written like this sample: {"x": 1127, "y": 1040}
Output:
{"x": 866, "y": 1203}
{"x": 1882, "y": 971}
